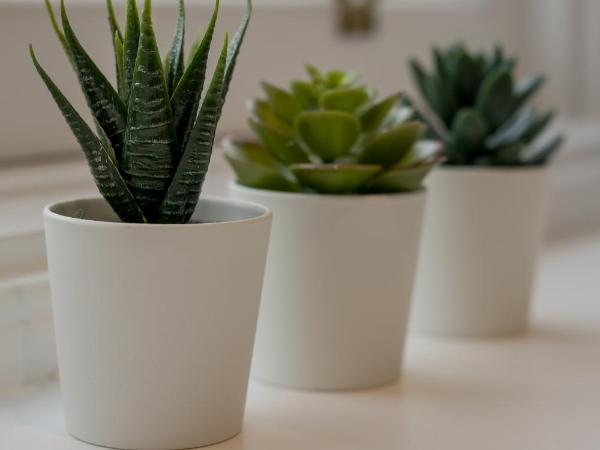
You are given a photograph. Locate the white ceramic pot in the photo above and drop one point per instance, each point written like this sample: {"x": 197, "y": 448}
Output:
{"x": 337, "y": 288}
{"x": 155, "y": 323}
{"x": 483, "y": 228}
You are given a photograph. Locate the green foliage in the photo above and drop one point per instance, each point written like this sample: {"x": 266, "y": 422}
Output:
{"x": 331, "y": 135}
{"x": 154, "y": 135}
{"x": 475, "y": 105}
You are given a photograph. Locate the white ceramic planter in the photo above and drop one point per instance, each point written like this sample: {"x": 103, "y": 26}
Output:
{"x": 155, "y": 323}
{"x": 483, "y": 227}
{"x": 337, "y": 288}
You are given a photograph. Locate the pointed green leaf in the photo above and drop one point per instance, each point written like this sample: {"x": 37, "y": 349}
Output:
{"x": 131, "y": 42}
{"x": 186, "y": 98}
{"x": 106, "y": 174}
{"x": 306, "y": 94}
{"x": 346, "y": 100}
{"x": 440, "y": 98}
{"x": 103, "y": 100}
{"x": 401, "y": 180}
{"x": 495, "y": 99}
{"x": 174, "y": 60}
{"x": 335, "y": 178}
{"x": 263, "y": 111}
{"x": 181, "y": 199}
{"x": 374, "y": 117}
{"x": 112, "y": 21}
{"x": 58, "y": 30}
{"x": 390, "y": 147}
{"x": 539, "y": 124}
{"x": 256, "y": 168}
{"x": 469, "y": 130}
{"x": 420, "y": 76}
{"x": 148, "y": 156}
{"x": 314, "y": 73}
{"x": 120, "y": 61}
{"x": 280, "y": 146}
{"x": 328, "y": 134}
{"x": 282, "y": 102}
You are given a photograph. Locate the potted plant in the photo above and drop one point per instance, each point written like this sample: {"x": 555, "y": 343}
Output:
{"x": 342, "y": 171}
{"x": 486, "y": 208}
{"x": 155, "y": 299}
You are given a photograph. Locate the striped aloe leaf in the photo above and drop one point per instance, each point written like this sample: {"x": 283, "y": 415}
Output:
{"x": 154, "y": 135}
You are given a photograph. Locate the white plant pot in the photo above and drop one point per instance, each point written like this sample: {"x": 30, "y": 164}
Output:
{"x": 155, "y": 323}
{"x": 483, "y": 228}
{"x": 337, "y": 288}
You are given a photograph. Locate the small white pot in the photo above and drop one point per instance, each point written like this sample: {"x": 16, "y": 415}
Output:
{"x": 155, "y": 323}
{"x": 483, "y": 228}
{"x": 337, "y": 288}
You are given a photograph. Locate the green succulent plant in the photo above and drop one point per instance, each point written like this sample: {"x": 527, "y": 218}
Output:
{"x": 331, "y": 135}
{"x": 480, "y": 111}
{"x": 155, "y": 131}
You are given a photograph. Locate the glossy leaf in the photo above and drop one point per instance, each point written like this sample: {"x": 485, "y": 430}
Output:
{"x": 255, "y": 167}
{"x": 335, "y": 178}
{"x": 174, "y": 60}
{"x": 284, "y": 104}
{"x": 263, "y": 111}
{"x": 148, "y": 157}
{"x": 281, "y": 147}
{"x": 182, "y": 196}
{"x": 328, "y": 134}
{"x": 390, "y": 147}
{"x": 495, "y": 99}
{"x": 186, "y": 98}
{"x": 401, "y": 180}
{"x": 306, "y": 94}
{"x": 103, "y": 100}
{"x": 346, "y": 100}
{"x": 469, "y": 130}
{"x": 526, "y": 88}
{"x": 374, "y": 117}
{"x": 543, "y": 154}
{"x": 422, "y": 152}
{"x": 106, "y": 174}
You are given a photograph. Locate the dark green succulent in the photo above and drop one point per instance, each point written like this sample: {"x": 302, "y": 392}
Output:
{"x": 478, "y": 109}
{"x": 155, "y": 133}
{"x": 332, "y": 135}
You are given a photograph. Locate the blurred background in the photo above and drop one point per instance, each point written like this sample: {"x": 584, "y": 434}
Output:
{"x": 40, "y": 162}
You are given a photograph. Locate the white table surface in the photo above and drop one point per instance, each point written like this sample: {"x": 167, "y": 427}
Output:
{"x": 536, "y": 391}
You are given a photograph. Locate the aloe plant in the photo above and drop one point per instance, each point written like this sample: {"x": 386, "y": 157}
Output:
{"x": 475, "y": 105}
{"x": 155, "y": 130}
{"x": 331, "y": 135}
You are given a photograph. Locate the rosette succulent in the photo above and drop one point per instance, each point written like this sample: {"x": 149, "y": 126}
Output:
{"x": 331, "y": 135}
{"x": 155, "y": 130}
{"x": 475, "y": 105}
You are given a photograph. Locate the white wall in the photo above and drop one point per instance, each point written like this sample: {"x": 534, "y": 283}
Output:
{"x": 280, "y": 40}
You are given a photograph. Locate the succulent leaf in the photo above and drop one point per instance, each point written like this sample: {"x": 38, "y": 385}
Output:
{"x": 104, "y": 170}
{"x": 59, "y": 31}
{"x": 526, "y": 88}
{"x": 122, "y": 86}
{"x": 131, "y": 42}
{"x": 150, "y": 140}
{"x": 469, "y": 130}
{"x": 185, "y": 100}
{"x": 255, "y": 167}
{"x": 174, "y": 60}
{"x": 328, "y": 134}
{"x": 345, "y": 99}
{"x": 495, "y": 99}
{"x": 543, "y": 154}
{"x": 284, "y": 104}
{"x": 112, "y": 20}
{"x": 306, "y": 94}
{"x": 401, "y": 180}
{"x": 263, "y": 111}
{"x": 282, "y": 147}
{"x": 103, "y": 100}
{"x": 335, "y": 178}
{"x": 374, "y": 117}
{"x": 184, "y": 191}
{"x": 391, "y": 146}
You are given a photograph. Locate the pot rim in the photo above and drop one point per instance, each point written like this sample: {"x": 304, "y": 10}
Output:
{"x": 493, "y": 170}
{"x": 234, "y": 184}
{"x": 264, "y": 214}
